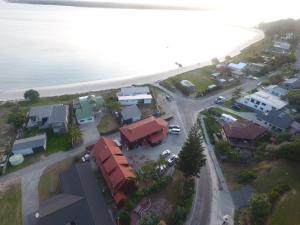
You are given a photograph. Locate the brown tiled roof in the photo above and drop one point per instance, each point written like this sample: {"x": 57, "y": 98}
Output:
{"x": 243, "y": 129}
{"x": 144, "y": 128}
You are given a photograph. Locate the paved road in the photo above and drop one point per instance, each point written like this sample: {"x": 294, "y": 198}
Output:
{"x": 206, "y": 210}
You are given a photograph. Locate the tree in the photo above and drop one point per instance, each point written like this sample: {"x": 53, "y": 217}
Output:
{"x": 31, "y": 95}
{"x": 260, "y": 208}
{"x": 227, "y": 57}
{"x": 124, "y": 218}
{"x": 236, "y": 94}
{"x": 293, "y": 96}
{"x": 191, "y": 157}
{"x": 150, "y": 219}
{"x": 75, "y": 133}
{"x": 112, "y": 105}
{"x": 290, "y": 151}
{"x": 16, "y": 119}
{"x": 215, "y": 61}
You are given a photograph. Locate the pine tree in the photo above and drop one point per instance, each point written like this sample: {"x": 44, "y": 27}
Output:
{"x": 191, "y": 157}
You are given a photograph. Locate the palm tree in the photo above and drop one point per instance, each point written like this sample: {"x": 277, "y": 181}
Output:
{"x": 75, "y": 133}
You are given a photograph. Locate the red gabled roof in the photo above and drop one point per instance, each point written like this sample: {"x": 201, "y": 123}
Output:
{"x": 143, "y": 128}
{"x": 113, "y": 163}
{"x": 243, "y": 129}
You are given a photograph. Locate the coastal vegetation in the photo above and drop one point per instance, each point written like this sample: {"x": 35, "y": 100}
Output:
{"x": 31, "y": 95}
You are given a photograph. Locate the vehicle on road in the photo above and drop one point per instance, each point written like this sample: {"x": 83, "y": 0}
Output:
{"x": 174, "y": 131}
{"x": 220, "y": 100}
{"x": 174, "y": 126}
{"x": 161, "y": 169}
{"x": 168, "y": 97}
{"x": 173, "y": 159}
{"x": 166, "y": 153}
{"x": 86, "y": 157}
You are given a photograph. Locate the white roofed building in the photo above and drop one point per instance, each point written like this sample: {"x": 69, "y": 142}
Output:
{"x": 262, "y": 101}
{"x": 134, "y": 96}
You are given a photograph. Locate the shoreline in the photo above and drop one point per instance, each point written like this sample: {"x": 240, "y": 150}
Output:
{"x": 97, "y": 85}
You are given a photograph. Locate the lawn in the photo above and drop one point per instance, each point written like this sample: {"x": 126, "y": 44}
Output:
{"x": 11, "y": 207}
{"x": 212, "y": 127}
{"x": 108, "y": 124}
{"x": 199, "y": 77}
{"x": 49, "y": 181}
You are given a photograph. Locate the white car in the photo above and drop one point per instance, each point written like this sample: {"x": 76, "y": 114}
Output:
{"x": 174, "y": 126}
{"x": 220, "y": 99}
{"x": 174, "y": 131}
{"x": 173, "y": 159}
{"x": 166, "y": 153}
{"x": 161, "y": 169}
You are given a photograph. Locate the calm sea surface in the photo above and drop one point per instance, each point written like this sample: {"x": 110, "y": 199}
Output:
{"x": 51, "y": 45}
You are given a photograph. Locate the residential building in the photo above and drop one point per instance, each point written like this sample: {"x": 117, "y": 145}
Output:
{"x": 134, "y": 96}
{"x": 85, "y": 106}
{"x": 262, "y": 101}
{"x": 281, "y": 47}
{"x": 295, "y": 128}
{"x": 79, "y": 203}
{"x": 188, "y": 86}
{"x": 243, "y": 133}
{"x": 223, "y": 69}
{"x": 130, "y": 114}
{"x": 237, "y": 68}
{"x": 27, "y": 146}
{"x": 55, "y": 117}
{"x": 275, "y": 90}
{"x": 291, "y": 83}
{"x": 147, "y": 131}
{"x": 115, "y": 169}
{"x": 275, "y": 120}
{"x": 255, "y": 68}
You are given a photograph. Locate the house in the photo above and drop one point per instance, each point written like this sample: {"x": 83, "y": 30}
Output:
{"x": 80, "y": 201}
{"x": 276, "y": 90}
{"x": 188, "y": 86}
{"x": 85, "y": 106}
{"x": 55, "y": 117}
{"x": 255, "y": 68}
{"x": 227, "y": 118}
{"x": 223, "y": 69}
{"x": 291, "y": 83}
{"x": 134, "y": 96}
{"x": 115, "y": 169}
{"x": 275, "y": 120}
{"x": 262, "y": 101}
{"x": 243, "y": 133}
{"x": 295, "y": 128}
{"x": 130, "y": 114}
{"x": 237, "y": 69}
{"x": 27, "y": 146}
{"x": 147, "y": 131}
{"x": 281, "y": 47}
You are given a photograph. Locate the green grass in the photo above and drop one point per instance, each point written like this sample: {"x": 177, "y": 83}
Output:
{"x": 212, "y": 127}
{"x": 108, "y": 123}
{"x": 11, "y": 207}
{"x": 173, "y": 191}
{"x": 49, "y": 181}
{"x": 200, "y": 78}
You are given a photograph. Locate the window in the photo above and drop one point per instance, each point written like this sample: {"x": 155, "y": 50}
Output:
{"x": 81, "y": 121}
{"x": 261, "y": 108}
{"x": 252, "y": 100}
{"x": 257, "y": 102}
{"x": 273, "y": 107}
{"x": 255, "y": 106}
{"x": 90, "y": 118}
{"x": 264, "y": 104}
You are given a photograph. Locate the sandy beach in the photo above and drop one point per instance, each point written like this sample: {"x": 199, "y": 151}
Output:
{"x": 117, "y": 83}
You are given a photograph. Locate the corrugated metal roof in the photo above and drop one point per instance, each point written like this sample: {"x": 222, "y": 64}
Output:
{"x": 31, "y": 142}
{"x": 130, "y": 112}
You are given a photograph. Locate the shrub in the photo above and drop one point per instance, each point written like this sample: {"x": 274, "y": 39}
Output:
{"x": 16, "y": 119}
{"x": 290, "y": 151}
{"x": 31, "y": 95}
{"x": 260, "y": 208}
{"x": 129, "y": 205}
{"x": 124, "y": 218}
{"x": 246, "y": 176}
{"x": 276, "y": 192}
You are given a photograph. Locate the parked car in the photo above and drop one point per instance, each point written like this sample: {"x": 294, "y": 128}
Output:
{"x": 174, "y": 131}
{"x": 86, "y": 157}
{"x": 168, "y": 97}
{"x": 173, "y": 159}
{"x": 118, "y": 143}
{"x": 161, "y": 169}
{"x": 166, "y": 153}
{"x": 220, "y": 100}
{"x": 174, "y": 126}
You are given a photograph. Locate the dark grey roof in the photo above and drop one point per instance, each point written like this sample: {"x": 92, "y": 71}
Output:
{"x": 32, "y": 142}
{"x": 43, "y": 111}
{"x": 59, "y": 113}
{"x": 81, "y": 202}
{"x": 277, "y": 118}
{"x": 130, "y": 112}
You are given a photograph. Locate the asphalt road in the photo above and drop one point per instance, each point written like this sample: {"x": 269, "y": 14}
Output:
{"x": 188, "y": 109}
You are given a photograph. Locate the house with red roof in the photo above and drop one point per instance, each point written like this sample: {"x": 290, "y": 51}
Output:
{"x": 243, "y": 133}
{"x": 115, "y": 169}
{"x": 147, "y": 131}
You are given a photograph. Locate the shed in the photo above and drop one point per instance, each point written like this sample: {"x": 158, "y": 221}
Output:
{"x": 27, "y": 146}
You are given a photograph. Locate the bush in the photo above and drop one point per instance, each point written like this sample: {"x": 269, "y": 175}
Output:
{"x": 124, "y": 218}
{"x": 16, "y": 119}
{"x": 129, "y": 205}
{"x": 246, "y": 176}
{"x": 225, "y": 149}
{"x": 31, "y": 95}
{"x": 260, "y": 208}
{"x": 290, "y": 151}
{"x": 276, "y": 192}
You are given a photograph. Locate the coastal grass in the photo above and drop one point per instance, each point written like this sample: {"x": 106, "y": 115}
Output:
{"x": 49, "y": 184}
{"x": 11, "y": 205}
{"x": 199, "y": 77}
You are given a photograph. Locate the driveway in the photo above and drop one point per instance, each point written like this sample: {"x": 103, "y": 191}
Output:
{"x": 90, "y": 134}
